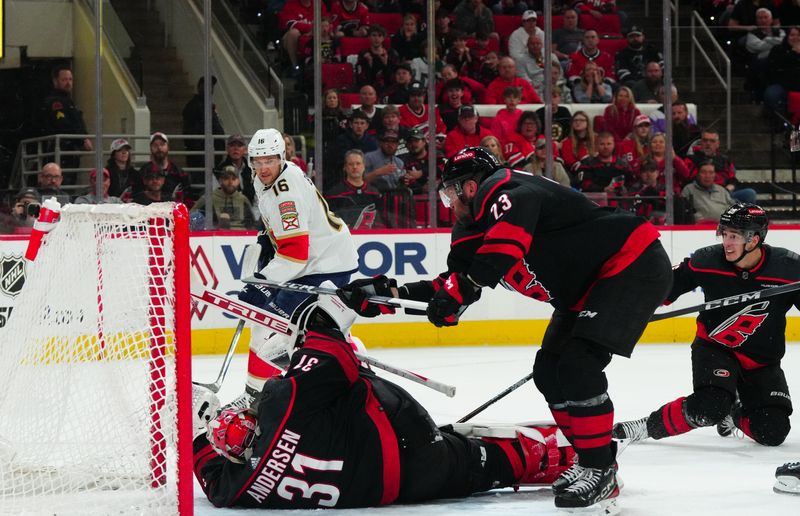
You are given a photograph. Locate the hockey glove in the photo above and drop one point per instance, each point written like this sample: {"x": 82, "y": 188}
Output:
{"x": 205, "y": 406}
{"x": 256, "y": 295}
{"x": 449, "y": 302}
{"x": 356, "y": 295}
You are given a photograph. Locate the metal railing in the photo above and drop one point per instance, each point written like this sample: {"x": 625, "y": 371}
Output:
{"x": 697, "y": 22}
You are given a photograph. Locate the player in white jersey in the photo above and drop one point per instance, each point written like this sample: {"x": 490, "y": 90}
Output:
{"x": 311, "y": 245}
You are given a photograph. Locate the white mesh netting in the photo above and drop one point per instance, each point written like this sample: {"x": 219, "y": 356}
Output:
{"x": 88, "y": 419}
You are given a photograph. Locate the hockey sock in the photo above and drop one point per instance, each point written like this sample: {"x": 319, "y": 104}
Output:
{"x": 669, "y": 420}
{"x": 258, "y": 372}
{"x": 562, "y": 419}
{"x": 592, "y": 421}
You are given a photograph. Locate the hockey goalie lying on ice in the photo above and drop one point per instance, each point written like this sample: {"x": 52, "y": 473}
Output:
{"x": 330, "y": 433}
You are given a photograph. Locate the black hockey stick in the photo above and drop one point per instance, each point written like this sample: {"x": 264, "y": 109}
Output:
{"x": 313, "y": 289}
{"x": 214, "y": 387}
{"x": 497, "y": 398}
{"x": 729, "y": 301}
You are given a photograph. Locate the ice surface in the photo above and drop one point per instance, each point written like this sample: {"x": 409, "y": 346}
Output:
{"x": 698, "y": 473}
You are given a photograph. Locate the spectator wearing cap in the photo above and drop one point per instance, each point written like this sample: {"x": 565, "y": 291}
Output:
{"x": 383, "y": 168}
{"x": 194, "y": 124}
{"x": 472, "y": 17}
{"x": 505, "y": 120}
{"x": 398, "y": 92}
{"x": 518, "y": 40}
{"x": 231, "y": 208}
{"x": 121, "y": 168}
{"x": 618, "y": 117}
{"x": 91, "y": 196}
{"x": 49, "y": 181}
{"x": 468, "y": 132}
{"x": 415, "y": 162}
{"x": 369, "y": 97}
{"x": 590, "y": 52}
{"x": 567, "y": 38}
{"x": 154, "y": 180}
{"x": 635, "y": 147}
{"x": 508, "y": 77}
{"x": 645, "y": 90}
{"x": 629, "y": 63}
{"x": 414, "y": 113}
{"x": 536, "y": 164}
{"x": 176, "y": 182}
{"x": 454, "y": 99}
{"x": 355, "y": 137}
{"x": 531, "y": 66}
{"x": 22, "y": 216}
{"x": 375, "y": 63}
{"x": 236, "y": 157}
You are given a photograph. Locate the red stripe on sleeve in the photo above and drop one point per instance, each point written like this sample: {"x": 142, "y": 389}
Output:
{"x": 633, "y": 247}
{"x": 341, "y": 351}
{"x": 507, "y": 249}
{"x": 294, "y": 247}
{"x": 390, "y": 451}
{"x": 508, "y": 231}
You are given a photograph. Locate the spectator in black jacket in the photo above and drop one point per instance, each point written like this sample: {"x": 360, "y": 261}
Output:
{"x": 194, "y": 123}
{"x": 352, "y": 199}
{"x": 235, "y": 156}
{"x": 629, "y": 65}
{"x": 356, "y": 137}
{"x": 121, "y": 169}
{"x": 784, "y": 70}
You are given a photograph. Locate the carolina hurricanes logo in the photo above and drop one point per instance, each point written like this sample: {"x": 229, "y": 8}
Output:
{"x": 738, "y": 327}
{"x": 522, "y": 279}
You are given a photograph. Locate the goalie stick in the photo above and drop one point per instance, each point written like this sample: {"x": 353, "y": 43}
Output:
{"x": 729, "y": 301}
{"x": 312, "y": 289}
{"x": 279, "y": 324}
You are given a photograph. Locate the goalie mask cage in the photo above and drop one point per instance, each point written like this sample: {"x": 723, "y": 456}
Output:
{"x": 95, "y": 368}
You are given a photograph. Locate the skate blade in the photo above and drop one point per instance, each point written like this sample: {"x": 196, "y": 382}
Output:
{"x": 787, "y": 485}
{"x": 605, "y": 508}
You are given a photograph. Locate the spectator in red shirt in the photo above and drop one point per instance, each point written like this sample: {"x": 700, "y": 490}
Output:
{"x": 618, "y": 116}
{"x": 580, "y": 142}
{"x": 414, "y": 113}
{"x": 658, "y": 153}
{"x": 505, "y": 120}
{"x": 466, "y": 134}
{"x": 521, "y": 144}
{"x": 473, "y": 90}
{"x": 350, "y": 18}
{"x": 508, "y": 77}
{"x": 589, "y": 51}
{"x": 635, "y": 147}
{"x": 296, "y": 18}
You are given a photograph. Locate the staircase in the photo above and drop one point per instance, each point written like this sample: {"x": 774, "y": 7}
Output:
{"x": 163, "y": 79}
{"x": 751, "y": 142}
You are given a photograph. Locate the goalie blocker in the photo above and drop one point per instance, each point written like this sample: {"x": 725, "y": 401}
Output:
{"x": 332, "y": 434}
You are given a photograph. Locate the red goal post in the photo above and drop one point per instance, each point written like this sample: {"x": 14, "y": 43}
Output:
{"x": 95, "y": 367}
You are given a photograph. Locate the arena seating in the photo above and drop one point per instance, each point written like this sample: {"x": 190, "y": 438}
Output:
{"x": 389, "y": 21}
{"x": 337, "y": 75}
{"x": 346, "y": 100}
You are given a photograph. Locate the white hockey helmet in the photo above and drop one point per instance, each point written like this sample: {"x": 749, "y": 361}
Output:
{"x": 266, "y": 142}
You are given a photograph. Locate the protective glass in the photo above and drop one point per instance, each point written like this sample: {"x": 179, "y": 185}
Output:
{"x": 448, "y": 194}
{"x": 258, "y": 163}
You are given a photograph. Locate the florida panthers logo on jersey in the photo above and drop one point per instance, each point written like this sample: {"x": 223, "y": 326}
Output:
{"x": 735, "y": 330}
{"x": 522, "y": 279}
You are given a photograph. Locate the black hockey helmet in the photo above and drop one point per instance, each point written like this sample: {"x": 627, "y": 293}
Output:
{"x": 475, "y": 163}
{"x": 748, "y": 218}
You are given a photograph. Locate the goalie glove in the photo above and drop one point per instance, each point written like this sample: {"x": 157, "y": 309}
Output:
{"x": 356, "y": 295}
{"x": 205, "y": 406}
{"x": 456, "y": 293}
{"x": 257, "y": 255}
{"x": 256, "y": 295}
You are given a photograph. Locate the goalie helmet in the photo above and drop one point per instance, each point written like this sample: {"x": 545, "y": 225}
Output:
{"x": 748, "y": 218}
{"x": 232, "y": 433}
{"x": 266, "y": 142}
{"x": 475, "y": 163}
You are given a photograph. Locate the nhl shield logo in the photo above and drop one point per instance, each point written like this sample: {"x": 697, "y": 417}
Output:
{"x": 12, "y": 274}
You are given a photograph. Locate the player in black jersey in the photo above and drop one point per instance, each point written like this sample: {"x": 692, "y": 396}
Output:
{"x": 737, "y": 350}
{"x": 332, "y": 434}
{"x": 604, "y": 271}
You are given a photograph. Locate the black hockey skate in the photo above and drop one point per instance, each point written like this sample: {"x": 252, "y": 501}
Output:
{"x": 787, "y": 478}
{"x": 726, "y": 427}
{"x": 630, "y": 432}
{"x": 595, "y": 490}
{"x": 568, "y": 478}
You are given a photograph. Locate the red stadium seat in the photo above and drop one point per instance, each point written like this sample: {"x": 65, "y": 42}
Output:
{"x": 350, "y": 46}
{"x": 505, "y": 24}
{"x": 793, "y": 106}
{"x": 389, "y": 21}
{"x": 346, "y": 100}
{"x": 608, "y": 24}
{"x": 599, "y": 124}
{"x": 493, "y": 46}
{"x": 612, "y": 45}
{"x": 558, "y": 21}
{"x": 337, "y": 75}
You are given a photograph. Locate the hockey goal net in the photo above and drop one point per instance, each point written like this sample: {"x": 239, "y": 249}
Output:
{"x": 95, "y": 368}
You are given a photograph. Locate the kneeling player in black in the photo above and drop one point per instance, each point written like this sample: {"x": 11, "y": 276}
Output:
{"x": 604, "y": 271}
{"x": 332, "y": 434}
{"x": 737, "y": 349}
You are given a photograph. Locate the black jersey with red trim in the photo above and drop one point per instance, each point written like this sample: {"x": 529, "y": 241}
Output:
{"x": 755, "y": 331}
{"x": 546, "y": 241}
{"x": 327, "y": 437}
